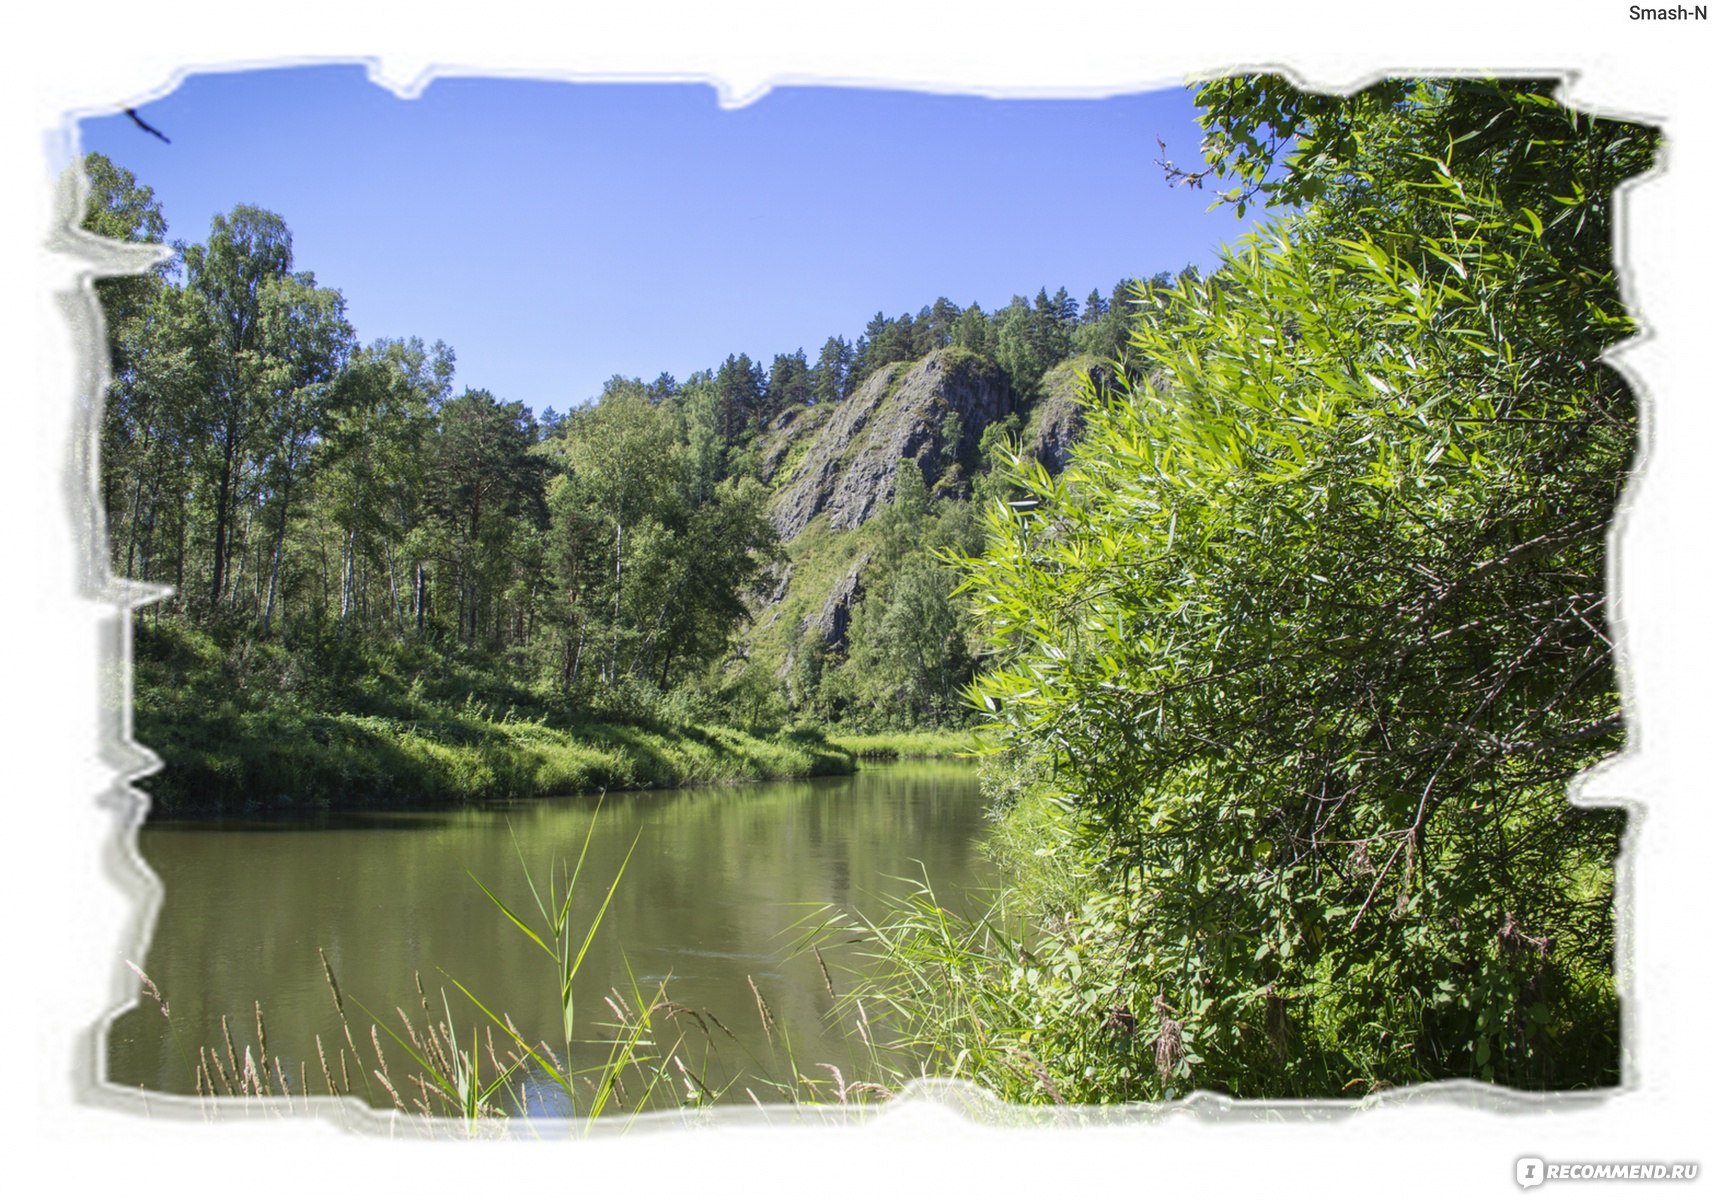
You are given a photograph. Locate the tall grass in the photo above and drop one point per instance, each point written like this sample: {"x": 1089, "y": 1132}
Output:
{"x": 940, "y": 996}
{"x": 477, "y": 1072}
{"x": 566, "y": 947}
{"x": 426, "y": 1066}
{"x": 919, "y": 743}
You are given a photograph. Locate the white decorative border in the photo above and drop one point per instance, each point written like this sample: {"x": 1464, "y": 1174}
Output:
{"x": 72, "y": 922}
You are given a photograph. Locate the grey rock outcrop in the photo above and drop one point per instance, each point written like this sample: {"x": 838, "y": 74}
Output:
{"x": 832, "y": 623}
{"x": 1055, "y": 425}
{"x": 785, "y": 431}
{"x": 1057, "y": 428}
{"x": 932, "y": 412}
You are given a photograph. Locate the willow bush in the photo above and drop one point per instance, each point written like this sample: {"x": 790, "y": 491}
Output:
{"x": 1314, "y": 630}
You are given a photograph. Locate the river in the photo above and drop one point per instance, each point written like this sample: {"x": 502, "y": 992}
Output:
{"x": 720, "y": 887}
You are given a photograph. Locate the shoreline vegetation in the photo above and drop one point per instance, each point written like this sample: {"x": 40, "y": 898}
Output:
{"x": 269, "y": 743}
{"x": 646, "y": 1053}
{"x": 908, "y": 744}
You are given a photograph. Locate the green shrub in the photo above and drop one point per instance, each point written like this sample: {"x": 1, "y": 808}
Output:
{"x": 1313, "y": 629}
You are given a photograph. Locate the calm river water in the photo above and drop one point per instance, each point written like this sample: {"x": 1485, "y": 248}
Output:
{"x": 718, "y": 878}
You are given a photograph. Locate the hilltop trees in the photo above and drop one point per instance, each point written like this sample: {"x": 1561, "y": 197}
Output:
{"x": 1029, "y": 340}
{"x": 740, "y": 385}
{"x": 789, "y": 383}
{"x": 832, "y": 371}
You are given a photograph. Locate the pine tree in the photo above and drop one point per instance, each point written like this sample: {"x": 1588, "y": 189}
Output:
{"x": 832, "y": 371}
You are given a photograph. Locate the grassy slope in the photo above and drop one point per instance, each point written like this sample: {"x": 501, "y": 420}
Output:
{"x": 1058, "y": 392}
{"x": 238, "y": 734}
{"x": 819, "y": 558}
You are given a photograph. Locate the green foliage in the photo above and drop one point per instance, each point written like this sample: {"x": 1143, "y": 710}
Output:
{"x": 566, "y": 944}
{"x": 1314, "y": 628}
{"x": 914, "y": 743}
{"x": 973, "y": 331}
{"x": 908, "y": 652}
{"x": 1028, "y": 341}
{"x": 653, "y": 553}
{"x": 485, "y": 494}
{"x": 121, "y": 208}
{"x": 832, "y": 371}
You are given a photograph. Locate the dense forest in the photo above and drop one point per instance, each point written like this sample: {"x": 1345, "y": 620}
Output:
{"x": 379, "y": 579}
{"x": 1284, "y": 591}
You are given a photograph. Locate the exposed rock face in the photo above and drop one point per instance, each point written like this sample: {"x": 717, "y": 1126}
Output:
{"x": 932, "y": 412}
{"x": 781, "y": 585}
{"x": 1055, "y": 425}
{"x": 833, "y": 621}
{"x": 790, "y": 427}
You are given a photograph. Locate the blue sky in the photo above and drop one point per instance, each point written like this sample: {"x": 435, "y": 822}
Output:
{"x": 555, "y": 234}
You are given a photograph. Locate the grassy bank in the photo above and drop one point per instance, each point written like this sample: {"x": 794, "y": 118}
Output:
{"x": 281, "y": 760}
{"x": 243, "y": 729}
{"x": 917, "y": 743}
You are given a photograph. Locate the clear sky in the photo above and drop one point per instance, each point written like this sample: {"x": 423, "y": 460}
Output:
{"x": 556, "y": 234}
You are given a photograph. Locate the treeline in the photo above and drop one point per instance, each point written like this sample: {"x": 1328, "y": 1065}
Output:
{"x": 282, "y": 477}
{"x": 1026, "y": 339}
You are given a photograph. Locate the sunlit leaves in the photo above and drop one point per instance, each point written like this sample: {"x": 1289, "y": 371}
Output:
{"x": 1312, "y": 585}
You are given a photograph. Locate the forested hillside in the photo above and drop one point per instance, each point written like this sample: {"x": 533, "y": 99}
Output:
{"x": 380, "y": 576}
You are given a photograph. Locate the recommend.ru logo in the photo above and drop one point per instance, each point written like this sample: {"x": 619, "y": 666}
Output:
{"x": 1531, "y": 1171}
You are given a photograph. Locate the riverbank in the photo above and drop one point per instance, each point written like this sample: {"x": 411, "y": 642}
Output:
{"x": 246, "y": 730}
{"x": 276, "y": 760}
{"x": 911, "y": 743}
{"x": 253, "y": 727}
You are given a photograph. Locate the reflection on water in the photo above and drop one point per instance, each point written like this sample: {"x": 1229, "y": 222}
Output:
{"x": 722, "y": 882}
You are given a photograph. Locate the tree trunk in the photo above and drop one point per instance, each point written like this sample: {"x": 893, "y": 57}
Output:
{"x": 278, "y": 556}
{"x": 222, "y": 517}
{"x": 420, "y": 600}
{"x": 136, "y": 512}
{"x": 392, "y": 590}
{"x": 178, "y": 567}
{"x": 617, "y": 581}
{"x": 347, "y": 576}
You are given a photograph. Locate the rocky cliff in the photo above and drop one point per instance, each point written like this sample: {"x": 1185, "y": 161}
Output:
{"x": 1055, "y": 422}
{"x": 932, "y": 412}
